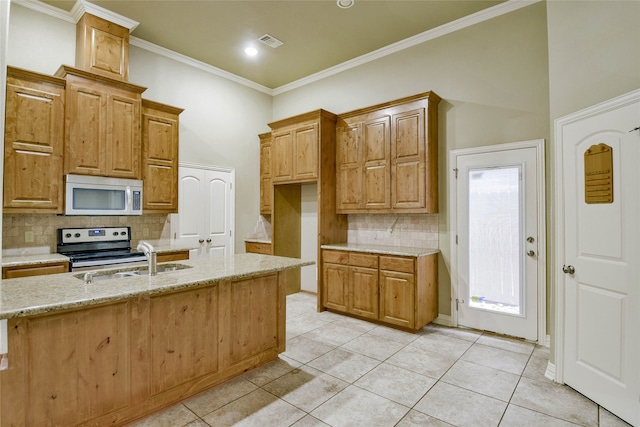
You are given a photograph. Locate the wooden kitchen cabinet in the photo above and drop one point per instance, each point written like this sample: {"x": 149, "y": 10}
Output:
{"x": 102, "y": 47}
{"x": 33, "y": 143}
{"x": 387, "y": 159}
{"x": 394, "y": 290}
{"x": 34, "y": 270}
{"x": 113, "y": 363}
{"x": 266, "y": 184}
{"x": 172, "y": 256}
{"x": 295, "y": 144}
{"x": 102, "y": 125}
{"x": 160, "y": 143}
{"x": 258, "y": 248}
{"x": 351, "y": 283}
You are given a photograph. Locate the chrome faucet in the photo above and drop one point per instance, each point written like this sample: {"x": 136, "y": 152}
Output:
{"x": 151, "y": 255}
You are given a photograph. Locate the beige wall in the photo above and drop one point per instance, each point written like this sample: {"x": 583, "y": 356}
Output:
{"x": 493, "y": 78}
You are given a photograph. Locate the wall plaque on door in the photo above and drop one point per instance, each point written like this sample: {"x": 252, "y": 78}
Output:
{"x": 598, "y": 174}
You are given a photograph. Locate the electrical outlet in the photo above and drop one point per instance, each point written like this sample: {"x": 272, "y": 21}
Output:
{"x": 28, "y": 236}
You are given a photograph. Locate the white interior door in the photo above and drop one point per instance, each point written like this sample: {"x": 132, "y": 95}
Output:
{"x": 599, "y": 197}
{"x": 498, "y": 238}
{"x": 205, "y": 218}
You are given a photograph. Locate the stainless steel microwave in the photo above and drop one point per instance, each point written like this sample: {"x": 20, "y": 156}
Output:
{"x": 98, "y": 195}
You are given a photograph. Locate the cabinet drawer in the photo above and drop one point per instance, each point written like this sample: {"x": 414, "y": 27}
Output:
{"x": 405, "y": 265}
{"x": 336, "y": 257}
{"x": 258, "y": 248}
{"x": 363, "y": 260}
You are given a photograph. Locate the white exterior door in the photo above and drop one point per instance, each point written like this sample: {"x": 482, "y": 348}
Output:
{"x": 205, "y": 210}
{"x": 499, "y": 225}
{"x": 599, "y": 247}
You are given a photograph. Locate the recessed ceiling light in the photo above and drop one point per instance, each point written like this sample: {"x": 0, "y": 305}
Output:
{"x": 251, "y": 51}
{"x": 345, "y": 4}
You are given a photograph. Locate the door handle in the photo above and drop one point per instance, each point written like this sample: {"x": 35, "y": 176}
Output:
{"x": 208, "y": 240}
{"x": 201, "y": 241}
{"x": 568, "y": 269}
{"x": 531, "y": 253}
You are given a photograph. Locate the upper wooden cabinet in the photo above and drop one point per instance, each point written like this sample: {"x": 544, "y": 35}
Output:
{"x": 387, "y": 157}
{"x": 102, "y": 125}
{"x": 33, "y": 142}
{"x": 160, "y": 157}
{"x": 266, "y": 184}
{"x": 295, "y": 146}
{"x": 102, "y": 47}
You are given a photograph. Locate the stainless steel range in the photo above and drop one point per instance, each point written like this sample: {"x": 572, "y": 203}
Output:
{"x": 98, "y": 248}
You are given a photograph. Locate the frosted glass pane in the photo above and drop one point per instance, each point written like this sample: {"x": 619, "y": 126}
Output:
{"x": 494, "y": 240}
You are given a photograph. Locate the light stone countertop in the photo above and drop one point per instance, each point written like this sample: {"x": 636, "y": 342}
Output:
{"x": 381, "y": 249}
{"x": 27, "y": 296}
{"x": 33, "y": 259}
{"x": 161, "y": 246}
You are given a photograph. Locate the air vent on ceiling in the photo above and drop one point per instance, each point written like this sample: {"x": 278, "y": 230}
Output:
{"x": 270, "y": 41}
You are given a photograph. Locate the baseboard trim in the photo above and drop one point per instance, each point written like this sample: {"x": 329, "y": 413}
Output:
{"x": 550, "y": 373}
{"x": 443, "y": 320}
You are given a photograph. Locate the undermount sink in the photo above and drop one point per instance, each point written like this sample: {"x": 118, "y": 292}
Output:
{"x": 115, "y": 274}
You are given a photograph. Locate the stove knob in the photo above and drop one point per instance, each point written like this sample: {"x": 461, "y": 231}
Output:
{"x": 77, "y": 235}
{"x": 115, "y": 233}
{"x": 67, "y": 235}
{"x": 123, "y": 233}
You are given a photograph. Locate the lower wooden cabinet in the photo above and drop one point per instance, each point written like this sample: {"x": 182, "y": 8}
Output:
{"x": 34, "y": 270}
{"x": 400, "y": 291}
{"x": 113, "y": 363}
{"x": 172, "y": 256}
{"x": 258, "y": 248}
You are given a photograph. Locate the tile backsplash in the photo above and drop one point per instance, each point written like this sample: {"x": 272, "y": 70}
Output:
{"x": 28, "y": 233}
{"x": 412, "y": 230}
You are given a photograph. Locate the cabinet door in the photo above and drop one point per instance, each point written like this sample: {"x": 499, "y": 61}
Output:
{"x": 91, "y": 345}
{"x": 408, "y": 160}
{"x": 33, "y": 146}
{"x": 305, "y": 150}
{"x": 363, "y": 291}
{"x": 86, "y": 128}
{"x": 282, "y": 151}
{"x": 123, "y": 141}
{"x": 178, "y": 354}
{"x": 377, "y": 192}
{"x": 349, "y": 167}
{"x": 397, "y": 298}
{"x": 159, "y": 159}
{"x": 252, "y": 316}
{"x": 336, "y": 282}
{"x": 266, "y": 186}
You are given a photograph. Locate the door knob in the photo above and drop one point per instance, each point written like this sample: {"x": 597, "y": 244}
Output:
{"x": 531, "y": 253}
{"x": 208, "y": 240}
{"x": 201, "y": 241}
{"x": 568, "y": 269}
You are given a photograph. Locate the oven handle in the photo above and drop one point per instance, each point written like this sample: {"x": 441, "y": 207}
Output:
{"x": 104, "y": 264}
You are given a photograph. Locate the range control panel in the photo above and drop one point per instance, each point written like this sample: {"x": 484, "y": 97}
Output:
{"x": 98, "y": 234}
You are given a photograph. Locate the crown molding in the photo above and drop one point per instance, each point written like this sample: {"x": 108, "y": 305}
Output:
{"x": 81, "y": 7}
{"x": 467, "y": 21}
{"x": 143, "y": 44}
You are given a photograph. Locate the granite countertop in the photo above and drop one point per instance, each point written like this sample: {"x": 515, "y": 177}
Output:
{"x": 161, "y": 246}
{"x": 32, "y": 259}
{"x": 27, "y": 296}
{"x": 381, "y": 249}
{"x": 253, "y": 240}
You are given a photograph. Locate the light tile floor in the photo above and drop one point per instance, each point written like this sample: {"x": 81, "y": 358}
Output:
{"x": 338, "y": 371}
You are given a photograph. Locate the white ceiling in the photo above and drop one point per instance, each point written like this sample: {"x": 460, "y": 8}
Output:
{"x": 317, "y": 34}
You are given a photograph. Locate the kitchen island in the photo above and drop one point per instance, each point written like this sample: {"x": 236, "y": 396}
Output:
{"x": 112, "y": 351}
